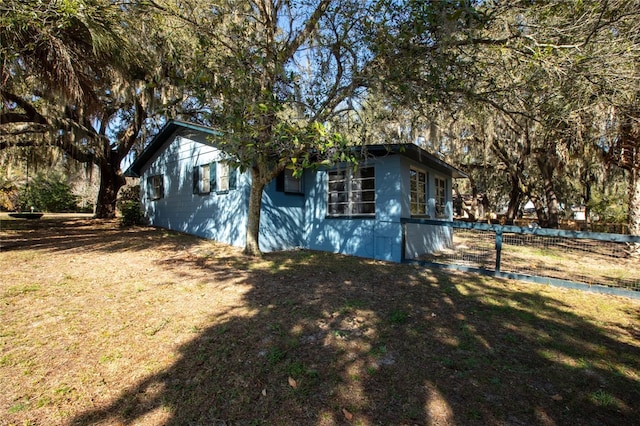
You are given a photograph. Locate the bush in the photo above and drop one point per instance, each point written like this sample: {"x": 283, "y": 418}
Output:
{"x": 48, "y": 193}
{"x": 131, "y": 213}
{"x": 130, "y": 207}
{"x": 610, "y": 208}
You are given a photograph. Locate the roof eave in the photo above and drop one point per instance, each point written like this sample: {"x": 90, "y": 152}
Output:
{"x": 163, "y": 135}
{"x": 416, "y": 153}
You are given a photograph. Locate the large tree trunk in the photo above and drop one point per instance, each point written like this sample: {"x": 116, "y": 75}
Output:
{"x": 515, "y": 199}
{"x": 634, "y": 210}
{"x": 552, "y": 205}
{"x": 252, "y": 246}
{"x": 111, "y": 180}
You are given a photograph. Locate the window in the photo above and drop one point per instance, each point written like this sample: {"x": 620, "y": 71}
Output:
{"x": 287, "y": 182}
{"x": 418, "y": 192}
{"x": 155, "y": 185}
{"x": 215, "y": 177}
{"x": 352, "y": 192}
{"x": 202, "y": 179}
{"x": 223, "y": 177}
{"x": 441, "y": 196}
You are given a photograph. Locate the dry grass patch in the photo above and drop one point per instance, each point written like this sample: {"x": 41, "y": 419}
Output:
{"x": 107, "y": 325}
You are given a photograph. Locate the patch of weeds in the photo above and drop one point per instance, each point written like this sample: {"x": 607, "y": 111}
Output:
{"x": 21, "y": 290}
{"x": 63, "y": 390}
{"x": 449, "y": 290}
{"x": 583, "y": 363}
{"x": 398, "y": 317}
{"x": 44, "y": 401}
{"x": 603, "y": 398}
{"x": 28, "y": 366}
{"x": 276, "y": 328}
{"x": 474, "y": 414}
{"x": 106, "y": 358}
{"x": 154, "y": 329}
{"x": 5, "y": 360}
{"x": 275, "y": 355}
{"x": 414, "y": 413}
{"x": 221, "y": 352}
{"x": 18, "y": 406}
{"x": 511, "y": 338}
{"x": 471, "y": 363}
{"x": 448, "y": 362}
{"x": 68, "y": 278}
{"x": 288, "y": 303}
{"x": 351, "y": 305}
{"x": 378, "y": 351}
{"x": 341, "y": 334}
{"x": 296, "y": 369}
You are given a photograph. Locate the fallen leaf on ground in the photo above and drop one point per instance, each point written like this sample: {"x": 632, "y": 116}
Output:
{"x": 292, "y": 382}
{"x": 347, "y": 414}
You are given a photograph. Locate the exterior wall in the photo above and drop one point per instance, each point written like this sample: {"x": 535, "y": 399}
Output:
{"x": 220, "y": 217}
{"x": 425, "y": 239}
{"x": 405, "y": 166}
{"x": 281, "y": 219}
{"x": 422, "y": 239}
{"x": 378, "y": 237}
{"x": 291, "y": 220}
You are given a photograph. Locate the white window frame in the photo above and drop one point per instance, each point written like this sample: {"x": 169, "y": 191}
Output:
{"x": 222, "y": 176}
{"x": 204, "y": 178}
{"x": 351, "y": 194}
{"x": 156, "y": 187}
{"x": 418, "y": 192}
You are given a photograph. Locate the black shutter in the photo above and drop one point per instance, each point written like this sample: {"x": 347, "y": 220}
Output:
{"x": 213, "y": 173}
{"x": 233, "y": 178}
{"x": 196, "y": 180}
{"x": 161, "y": 178}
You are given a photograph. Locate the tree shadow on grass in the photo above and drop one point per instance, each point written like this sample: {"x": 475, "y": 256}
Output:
{"x": 69, "y": 233}
{"x": 338, "y": 340}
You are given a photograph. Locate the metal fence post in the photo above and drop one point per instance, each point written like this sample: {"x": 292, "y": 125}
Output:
{"x": 498, "y": 248}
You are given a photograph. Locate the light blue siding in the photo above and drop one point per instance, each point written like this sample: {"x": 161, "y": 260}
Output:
{"x": 424, "y": 239}
{"x": 281, "y": 219}
{"x": 221, "y": 217}
{"x": 377, "y": 237}
{"x": 288, "y": 220}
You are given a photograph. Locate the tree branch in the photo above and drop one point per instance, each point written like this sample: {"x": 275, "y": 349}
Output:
{"x": 292, "y": 47}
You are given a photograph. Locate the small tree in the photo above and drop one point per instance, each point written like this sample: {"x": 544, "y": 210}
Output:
{"x": 273, "y": 74}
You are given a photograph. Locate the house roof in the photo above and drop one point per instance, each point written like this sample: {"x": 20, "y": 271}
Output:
{"x": 409, "y": 150}
{"x": 415, "y": 153}
{"x": 172, "y": 126}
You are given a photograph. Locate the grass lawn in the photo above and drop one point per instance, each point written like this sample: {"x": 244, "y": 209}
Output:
{"x": 107, "y": 325}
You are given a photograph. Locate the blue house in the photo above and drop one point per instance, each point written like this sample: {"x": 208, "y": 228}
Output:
{"x": 187, "y": 186}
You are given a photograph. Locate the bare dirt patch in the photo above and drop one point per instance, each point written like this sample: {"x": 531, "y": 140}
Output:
{"x": 107, "y": 325}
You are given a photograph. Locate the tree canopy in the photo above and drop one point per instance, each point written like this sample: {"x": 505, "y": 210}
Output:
{"x": 541, "y": 96}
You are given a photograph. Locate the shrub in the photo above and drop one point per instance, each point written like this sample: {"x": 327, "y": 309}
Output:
{"x": 49, "y": 193}
{"x": 130, "y": 207}
{"x": 131, "y": 213}
{"x": 610, "y": 208}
